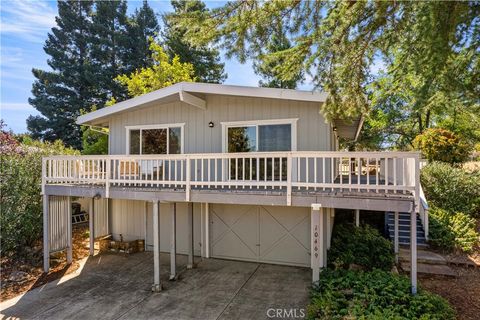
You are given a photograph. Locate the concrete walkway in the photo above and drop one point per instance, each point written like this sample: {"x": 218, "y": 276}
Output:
{"x": 114, "y": 286}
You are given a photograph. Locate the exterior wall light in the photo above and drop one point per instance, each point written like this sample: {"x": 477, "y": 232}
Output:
{"x": 211, "y": 124}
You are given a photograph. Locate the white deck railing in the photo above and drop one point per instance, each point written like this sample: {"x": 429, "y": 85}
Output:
{"x": 387, "y": 172}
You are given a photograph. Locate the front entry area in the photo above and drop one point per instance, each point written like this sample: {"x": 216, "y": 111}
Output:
{"x": 269, "y": 234}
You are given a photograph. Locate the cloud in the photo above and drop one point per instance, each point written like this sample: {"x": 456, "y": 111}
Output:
{"x": 29, "y": 20}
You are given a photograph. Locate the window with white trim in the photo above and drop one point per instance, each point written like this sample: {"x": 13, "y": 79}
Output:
{"x": 259, "y": 136}
{"x": 155, "y": 140}
{"x": 262, "y": 137}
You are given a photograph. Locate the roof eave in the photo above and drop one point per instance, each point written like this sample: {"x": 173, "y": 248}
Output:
{"x": 204, "y": 88}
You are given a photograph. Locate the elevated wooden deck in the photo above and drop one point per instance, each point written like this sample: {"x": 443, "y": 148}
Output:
{"x": 367, "y": 180}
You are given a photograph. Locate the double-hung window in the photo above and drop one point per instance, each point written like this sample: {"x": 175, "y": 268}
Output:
{"x": 155, "y": 139}
{"x": 259, "y": 136}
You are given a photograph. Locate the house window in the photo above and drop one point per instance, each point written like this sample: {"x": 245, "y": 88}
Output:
{"x": 268, "y": 137}
{"x": 155, "y": 139}
{"x": 261, "y": 136}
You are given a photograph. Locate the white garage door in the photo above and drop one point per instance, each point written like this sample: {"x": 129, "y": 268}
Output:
{"x": 268, "y": 234}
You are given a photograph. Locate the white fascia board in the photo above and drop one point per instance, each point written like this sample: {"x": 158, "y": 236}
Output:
{"x": 192, "y": 100}
{"x": 205, "y": 88}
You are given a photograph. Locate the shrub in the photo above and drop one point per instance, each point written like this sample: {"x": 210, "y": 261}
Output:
{"x": 451, "y": 188}
{"x": 442, "y": 145}
{"x": 344, "y": 294}
{"x": 363, "y": 246}
{"x": 20, "y": 188}
{"x": 452, "y": 230}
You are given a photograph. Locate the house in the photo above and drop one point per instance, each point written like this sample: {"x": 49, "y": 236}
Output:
{"x": 229, "y": 172}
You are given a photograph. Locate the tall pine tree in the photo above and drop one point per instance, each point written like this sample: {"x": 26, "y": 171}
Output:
{"x": 91, "y": 45}
{"x": 268, "y": 63}
{"x": 110, "y": 46}
{"x": 205, "y": 60}
{"x": 143, "y": 26}
{"x": 69, "y": 87}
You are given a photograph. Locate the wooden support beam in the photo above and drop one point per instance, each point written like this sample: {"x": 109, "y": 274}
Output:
{"x": 69, "y": 231}
{"x": 91, "y": 225}
{"x": 193, "y": 100}
{"x": 190, "y": 262}
{"x": 205, "y": 236}
{"x": 46, "y": 233}
{"x": 157, "y": 285}
{"x": 145, "y": 224}
{"x": 173, "y": 242}
{"x": 413, "y": 249}
{"x": 207, "y": 230}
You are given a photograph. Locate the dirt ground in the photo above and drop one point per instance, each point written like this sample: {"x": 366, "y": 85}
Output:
{"x": 19, "y": 276}
{"x": 462, "y": 292}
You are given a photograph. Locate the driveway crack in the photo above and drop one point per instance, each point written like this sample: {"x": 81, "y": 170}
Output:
{"x": 238, "y": 291}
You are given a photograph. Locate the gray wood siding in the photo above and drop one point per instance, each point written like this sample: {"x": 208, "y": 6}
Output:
{"x": 127, "y": 217}
{"x": 313, "y": 133}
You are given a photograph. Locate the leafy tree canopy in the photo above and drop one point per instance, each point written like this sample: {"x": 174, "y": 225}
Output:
{"x": 269, "y": 62}
{"x": 442, "y": 145}
{"x": 163, "y": 73}
{"x": 427, "y": 53}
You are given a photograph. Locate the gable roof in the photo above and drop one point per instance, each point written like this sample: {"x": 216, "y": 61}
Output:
{"x": 189, "y": 91}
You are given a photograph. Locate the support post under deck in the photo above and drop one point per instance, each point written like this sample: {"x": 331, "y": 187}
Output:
{"x": 157, "y": 285}
{"x": 173, "y": 242}
{"x": 190, "y": 235}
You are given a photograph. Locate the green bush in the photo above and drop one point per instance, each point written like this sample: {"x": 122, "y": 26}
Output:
{"x": 20, "y": 188}
{"x": 442, "y": 145}
{"x": 452, "y": 231}
{"x": 363, "y": 246}
{"x": 343, "y": 294}
{"x": 451, "y": 188}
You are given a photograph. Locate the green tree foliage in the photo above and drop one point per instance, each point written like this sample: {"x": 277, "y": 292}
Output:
{"x": 94, "y": 141}
{"x": 363, "y": 246}
{"x": 442, "y": 145}
{"x": 110, "y": 51}
{"x": 451, "y": 188}
{"x": 268, "y": 63}
{"x": 69, "y": 87}
{"x": 428, "y": 53}
{"x": 92, "y": 43}
{"x": 163, "y": 73}
{"x": 204, "y": 58}
{"x": 20, "y": 176}
{"x": 452, "y": 230}
{"x": 343, "y": 294}
{"x": 143, "y": 26}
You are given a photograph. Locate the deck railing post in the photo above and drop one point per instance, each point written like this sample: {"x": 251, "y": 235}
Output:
{"x": 417, "y": 183}
{"x": 289, "y": 179}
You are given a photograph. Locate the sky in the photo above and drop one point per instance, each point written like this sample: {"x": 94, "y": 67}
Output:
{"x": 23, "y": 30}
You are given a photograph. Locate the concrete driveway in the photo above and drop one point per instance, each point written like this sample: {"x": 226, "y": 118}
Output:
{"x": 114, "y": 286}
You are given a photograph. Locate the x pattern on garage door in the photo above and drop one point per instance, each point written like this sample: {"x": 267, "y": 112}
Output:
{"x": 264, "y": 234}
